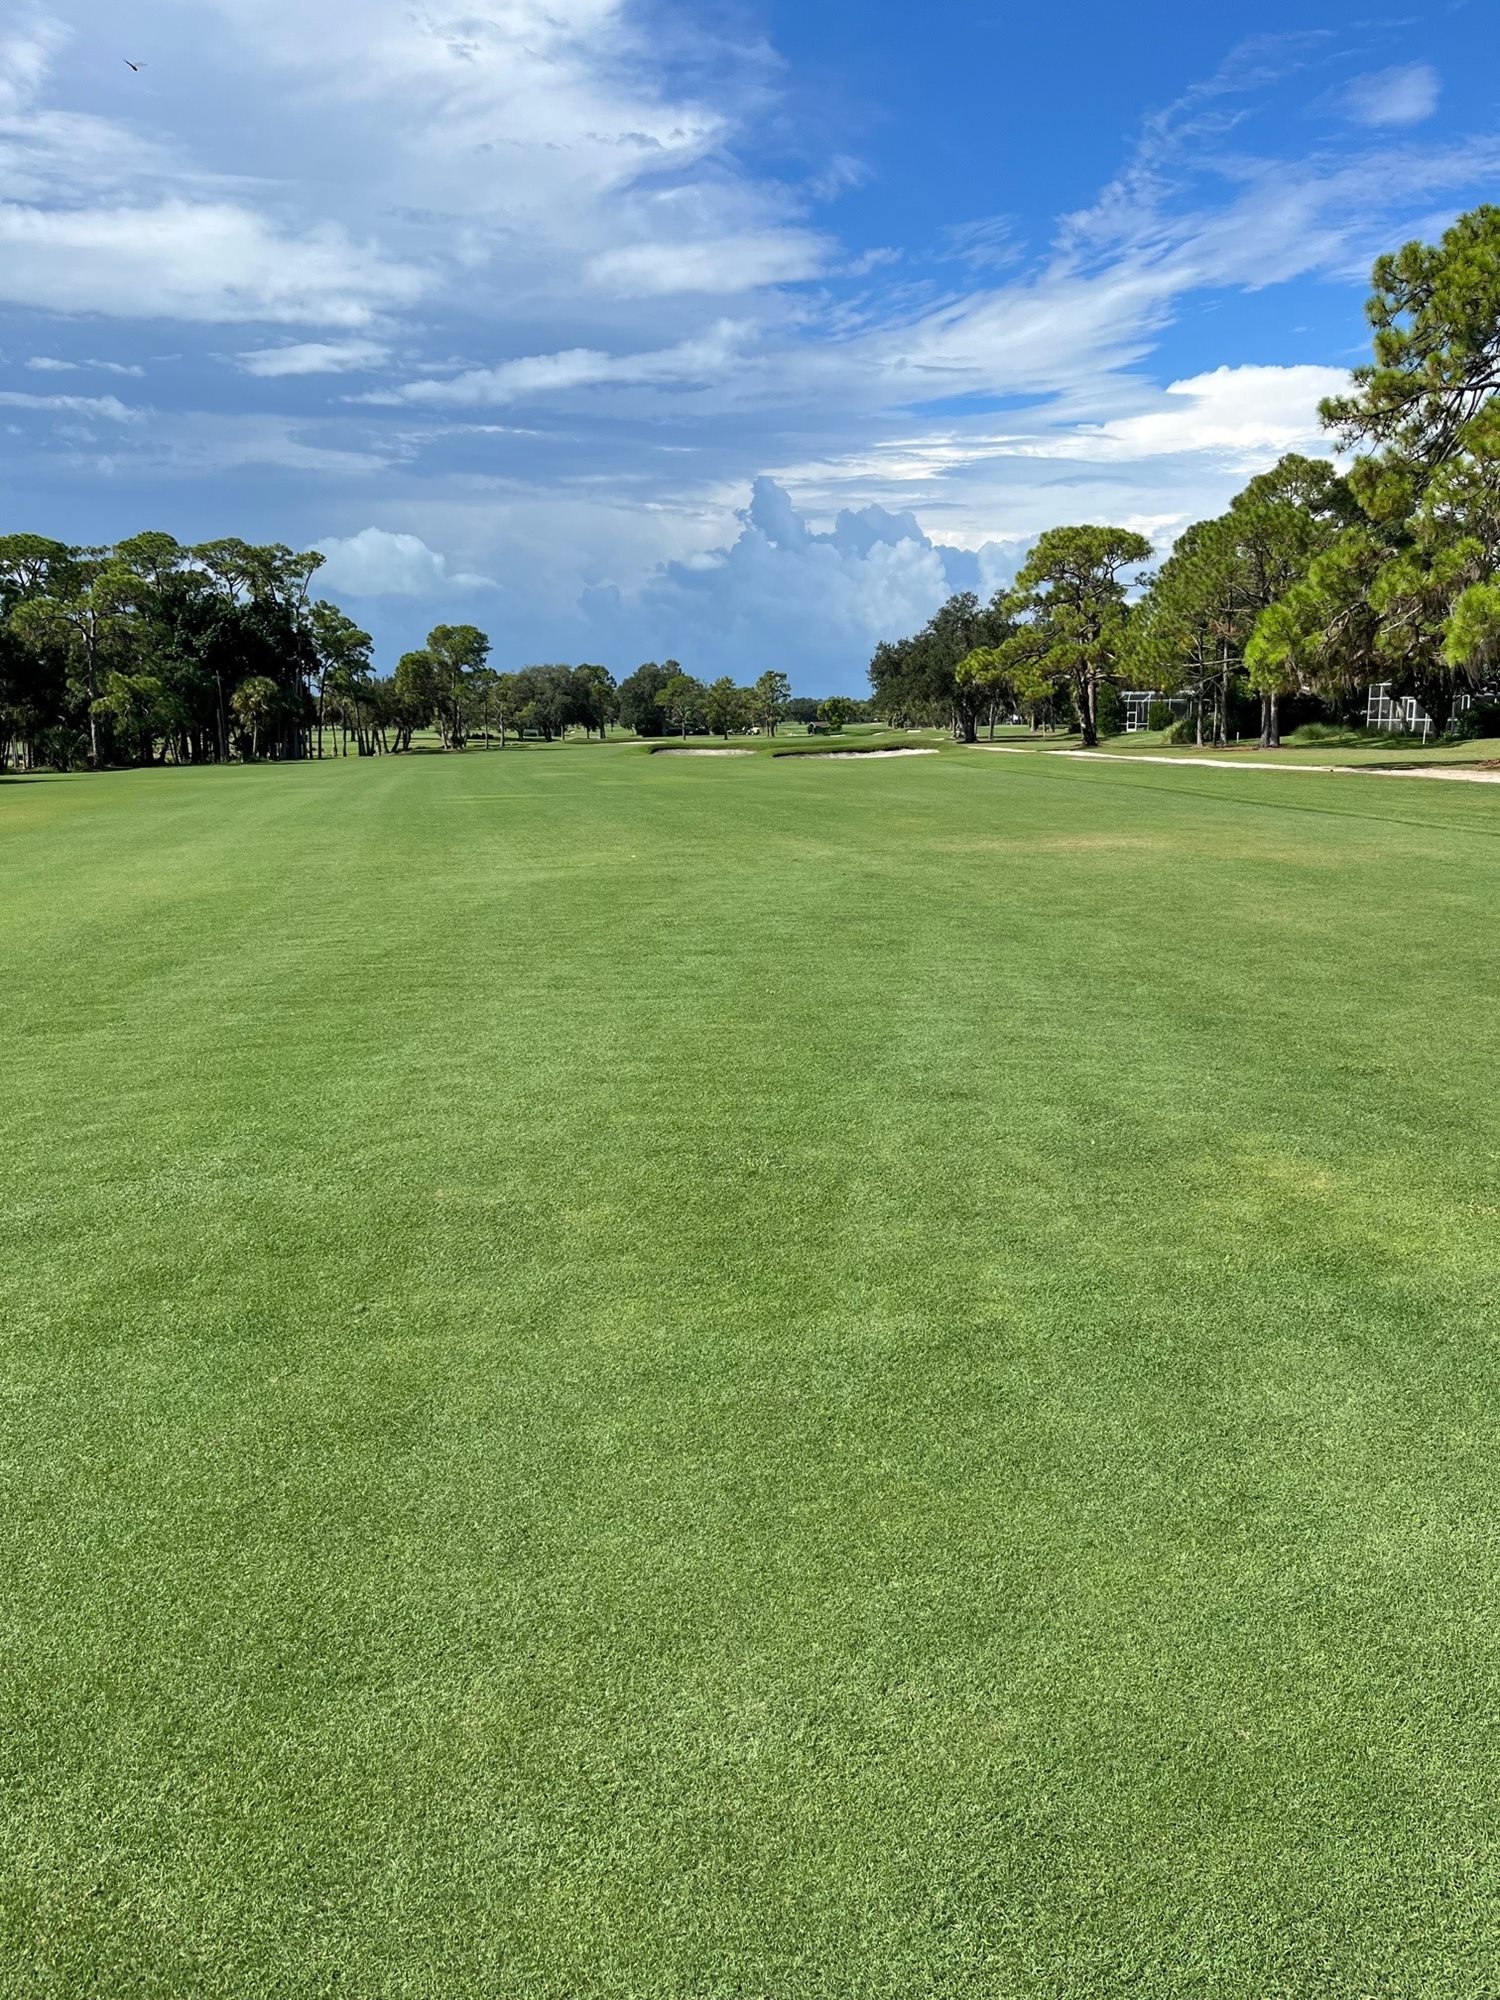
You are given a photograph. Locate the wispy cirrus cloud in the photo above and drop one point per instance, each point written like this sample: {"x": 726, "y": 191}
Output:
{"x": 73, "y": 406}
{"x": 51, "y": 364}
{"x": 717, "y": 266}
{"x": 540, "y": 376}
{"x": 314, "y": 357}
{"x": 1405, "y": 95}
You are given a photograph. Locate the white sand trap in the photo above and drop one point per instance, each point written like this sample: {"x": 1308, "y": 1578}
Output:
{"x": 1202, "y": 763}
{"x": 1473, "y": 774}
{"x": 864, "y": 756}
{"x": 686, "y": 750}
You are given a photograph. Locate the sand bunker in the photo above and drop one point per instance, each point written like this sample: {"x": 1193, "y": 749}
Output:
{"x": 914, "y": 752}
{"x": 1200, "y": 763}
{"x": 1472, "y": 774}
{"x": 687, "y": 750}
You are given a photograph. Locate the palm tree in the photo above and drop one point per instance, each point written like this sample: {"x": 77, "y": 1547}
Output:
{"x": 255, "y": 702}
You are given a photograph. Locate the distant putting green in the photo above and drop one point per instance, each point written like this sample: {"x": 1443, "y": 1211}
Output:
{"x": 749, "y": 1380}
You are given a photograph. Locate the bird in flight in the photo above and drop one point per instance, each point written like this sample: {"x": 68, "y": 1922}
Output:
{"x": 137, "y": 67}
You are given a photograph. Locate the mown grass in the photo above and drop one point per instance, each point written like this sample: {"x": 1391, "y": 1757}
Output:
{"x": 655, "y": 1378}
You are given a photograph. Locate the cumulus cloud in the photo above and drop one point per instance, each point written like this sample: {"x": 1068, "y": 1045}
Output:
{"x": 536, "y": 139}
{"x": 784, "y": 593}
{"x": 378, "y": 563}
{"x": 1244, "y": 413}
{"x": 590, "y": 200}
{"x": 1402, "y": 96}
{"x": 571, "y": 83}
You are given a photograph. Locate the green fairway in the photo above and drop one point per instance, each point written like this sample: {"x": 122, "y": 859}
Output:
{"x": 749, "y": 1380}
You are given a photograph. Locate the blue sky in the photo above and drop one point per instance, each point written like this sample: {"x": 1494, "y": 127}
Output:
{"x": 738, "y": 334}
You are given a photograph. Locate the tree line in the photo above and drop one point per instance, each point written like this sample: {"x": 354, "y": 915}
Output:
{"x": 1313, "y": 584}
{"x": 151, "y": 651}
{"x": 662, "y": 700}
{"x": 451, "y": 684}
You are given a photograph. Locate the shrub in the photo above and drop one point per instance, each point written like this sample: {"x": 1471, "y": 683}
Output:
{"x": 1160, "y": 715}
{"x": 1329, "y": 732}
{"x": 61, "y": 749}
{"x": 1182, "y": 731}
{"x": 1110, "y": 712}
{"x": 1301, "y": 711}
{"x": 1481, "y": 718}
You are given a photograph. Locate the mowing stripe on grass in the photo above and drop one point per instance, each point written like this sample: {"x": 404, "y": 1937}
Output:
{"x": 798, "y": 1385}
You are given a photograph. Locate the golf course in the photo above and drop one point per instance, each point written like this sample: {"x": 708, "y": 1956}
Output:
{"x": 778, "y": 1379}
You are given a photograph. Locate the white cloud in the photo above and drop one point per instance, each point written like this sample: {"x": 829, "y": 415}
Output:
{"x": 192, "y": 261}
{"x": 26, "y": 56}
{"x": 377, "y": 563}
{"x": 78, "y": 406}
{"x": 987, "y": 244}
{"x": 561, "y": 180}
{"x": 522, "y": 147}
{"x": 784, "y": 592}
{"x": 721, "y": 265}
{"x": 98, "y": 218}
{"x": 456, "y": 79}
{"x": 50, "y": 155}
{"x": 49, "y": 364}
{"x": 314, "y": 357}
{"x": 876, "y": 259}
{"x": 540, "y": 375}
{"x": 525, "y": 134}
{"x": 1246, "y": 414}
{"x": 207, "y": 445}
{"x": 1401, "y": 96}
